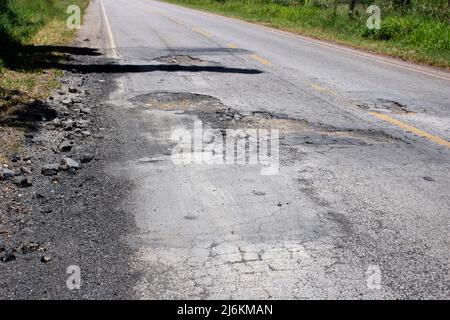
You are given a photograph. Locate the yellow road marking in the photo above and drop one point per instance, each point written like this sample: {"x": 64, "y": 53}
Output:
{"x": 260, "y": 59}
{"x": 443, "y": 75}
{"x": 412, "y": 129}
{"x": 203, "y": 33}
{"x": 176, "y": 20}
{"x": 209, "y": 35}
{"x": 195, "y": 29}
{"x": 385, "y": 117}
{"x": 320, "y": 88}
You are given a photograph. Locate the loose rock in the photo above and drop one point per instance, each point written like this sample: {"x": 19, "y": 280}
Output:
{"x": 65, "y": 146}
{"x": 8, "y": 256}
{"x": 25, "y": 170}
{"x": 67, "y": 101}
{"x": 82, "y": 123}
{"x": 45, "y": 259}
{"x": 69, "y": 163}
{"x": 258, "y": 193}
{"x": 85, "y": 110}
{"x": 22, "y": 181}
{"x": 6, "y": 174}
{"x": 50, "y": 169}
{"x": 85, "y": 158}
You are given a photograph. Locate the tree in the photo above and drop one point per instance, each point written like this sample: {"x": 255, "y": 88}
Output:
{"x": 351, "y": 7}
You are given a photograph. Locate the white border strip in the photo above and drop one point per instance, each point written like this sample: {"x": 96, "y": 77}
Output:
{"x": 112, "y": 44}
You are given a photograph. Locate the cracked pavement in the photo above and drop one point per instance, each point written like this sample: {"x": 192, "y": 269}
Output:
{"x": 355, "y": 189}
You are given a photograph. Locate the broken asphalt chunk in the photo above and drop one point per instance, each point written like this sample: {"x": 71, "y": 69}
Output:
{"x": 69, "y": 163}
{"x": 22, "y": 181}
{"x": 65, "y": 146}
{"x": 50, "y": 169}
{"x": 87, "y": 157}
{"x": 8, "y": 256}
{"x": 6, "y": 174}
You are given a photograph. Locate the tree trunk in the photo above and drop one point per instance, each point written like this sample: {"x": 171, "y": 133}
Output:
{"x": 351, "y": 7}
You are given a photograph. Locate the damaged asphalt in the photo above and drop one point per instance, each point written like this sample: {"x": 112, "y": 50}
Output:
{"x": 352, "y": 195}
{"x": 66, "y": 215}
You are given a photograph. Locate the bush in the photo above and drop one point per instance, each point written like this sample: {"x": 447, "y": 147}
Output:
{"x": 391, "y": 27}
{"x": 431, "y": 35}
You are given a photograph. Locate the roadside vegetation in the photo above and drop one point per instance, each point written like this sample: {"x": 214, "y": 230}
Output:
{"x": 416, "y": 30}
{"x": 31, "y": 31}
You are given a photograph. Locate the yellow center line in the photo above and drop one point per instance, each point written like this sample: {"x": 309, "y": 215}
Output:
{"x": 209, "y": 35}
{"x": 385, "y": 117}
{"x": 178, "y": 21}
{"x": 202, "y": 32}
{"x": 260, "y": 59}
{"x": 320, "y": 88}
{"x": 412, "y": 129}
{"x": 443, "y": 75}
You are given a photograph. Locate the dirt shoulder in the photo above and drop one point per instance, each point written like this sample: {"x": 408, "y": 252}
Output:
{"x": 57, "y": 209}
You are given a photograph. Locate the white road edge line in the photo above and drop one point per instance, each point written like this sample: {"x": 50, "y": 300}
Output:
{"x": 112, "y": 44}
{"x": 112, "y": 53}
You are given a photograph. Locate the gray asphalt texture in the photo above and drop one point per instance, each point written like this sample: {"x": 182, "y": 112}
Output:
{"x": 353, "y": 194}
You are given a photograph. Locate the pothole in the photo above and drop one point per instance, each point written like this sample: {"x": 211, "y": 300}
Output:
{"x": 183, "y": 59}
{"x": 292, "y": 131}
{"x": 336, "y": 137}
{"x": 179, "y": 101}
{"x": 266, "y": 120}
{"x": 384, "y": 105}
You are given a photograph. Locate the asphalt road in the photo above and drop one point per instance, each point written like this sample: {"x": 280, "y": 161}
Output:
{"x": 360, "y": 205}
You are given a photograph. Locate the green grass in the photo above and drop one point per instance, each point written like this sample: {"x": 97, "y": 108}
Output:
{"x": 420, "y": 33}
{"x": 22, "y": 20}
{"x": 29, "y": 29}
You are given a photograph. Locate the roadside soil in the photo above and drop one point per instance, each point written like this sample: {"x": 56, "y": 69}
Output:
{"x": 57, "y": 212}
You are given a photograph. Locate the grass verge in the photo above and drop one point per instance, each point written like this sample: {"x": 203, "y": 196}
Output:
{"x": 413, "y": 34}
{"x": 30, "y": 31}
{"x": 25, "y": 28}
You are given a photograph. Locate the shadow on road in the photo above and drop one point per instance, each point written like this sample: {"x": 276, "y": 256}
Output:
{"x": 29, "y": 58}
{"x": 135, "y": 68}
